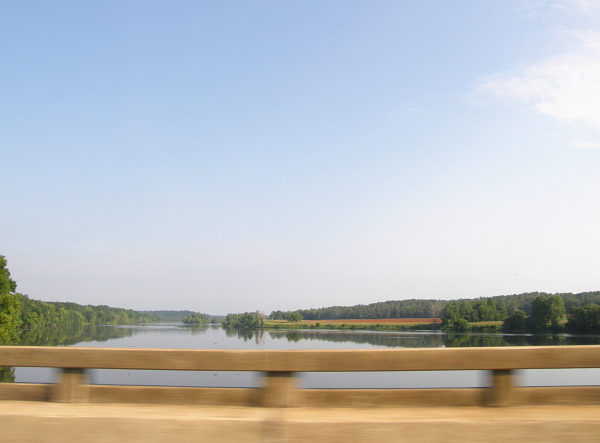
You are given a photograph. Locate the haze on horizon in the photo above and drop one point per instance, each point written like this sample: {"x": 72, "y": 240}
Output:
{"x": 233, "y": 156}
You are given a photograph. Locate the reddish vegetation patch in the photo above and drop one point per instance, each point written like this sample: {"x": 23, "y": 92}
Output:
{"x": 380, "y": 320}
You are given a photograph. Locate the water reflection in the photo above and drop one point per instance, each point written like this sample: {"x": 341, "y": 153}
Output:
{"x": 246, "y": 334}
{"x": 72, "y": 335}
{"x": 432, "y": 339}
{"x": 391, "y": 340}
{"x": 8, "y": 338}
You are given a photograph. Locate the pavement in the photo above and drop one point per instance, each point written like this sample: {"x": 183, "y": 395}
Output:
{"x": 22, "y": 421}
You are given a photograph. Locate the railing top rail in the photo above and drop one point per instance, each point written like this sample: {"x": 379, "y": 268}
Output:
{"x": 420, "y": 359}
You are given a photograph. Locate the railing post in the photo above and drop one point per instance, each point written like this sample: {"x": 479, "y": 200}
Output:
{"x": 72, "y": 387}
{"x": 501, "y": 392}
{"x": 279, "y": 390}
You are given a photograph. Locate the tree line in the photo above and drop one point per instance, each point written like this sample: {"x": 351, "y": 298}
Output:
{"x": 413, "y": 308}
{"x": 548, "y": 313}
{"x": 583, "y": 310}
{"x": 533, "y": 312}
{"x": 19, "y": 311}
{"x": 196, "y": 318}
{"x": 35, "y": 313}
{"x": 459, "y": 313}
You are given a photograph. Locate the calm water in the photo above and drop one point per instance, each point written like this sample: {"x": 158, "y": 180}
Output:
{"x": 179, "y": 336}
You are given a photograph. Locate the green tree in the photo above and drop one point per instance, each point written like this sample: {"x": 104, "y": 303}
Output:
{"x": 547, "y": 312}
{"x": 515, "y": 323}
{"x": 557, "y": 310}
{"x": 7, "y": 284}
{"x": 585, "y": 319}
{"x": 453, "y": 317}
{"x": 461, "y": 325}
{"x": 277, "y": 315}
{"x": 247, "y": 320}
{"x": 10, "y": 305}
{"x": 7, "y": 374}
{"x": 467, "y": 312}
{"x": 196, "y": 319}
{"x": 293, "y": 316}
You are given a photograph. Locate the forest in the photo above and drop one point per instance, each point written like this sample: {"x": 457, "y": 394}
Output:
{"x": 495, "y": 308}
{"x": 35, "y": 313}
{"x": 196, "y": 318}
{"x": 413, "y": 308}
{"x": 19, "y": 311}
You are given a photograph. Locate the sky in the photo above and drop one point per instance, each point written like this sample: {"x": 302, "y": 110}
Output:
{"x": 275, "y": 155}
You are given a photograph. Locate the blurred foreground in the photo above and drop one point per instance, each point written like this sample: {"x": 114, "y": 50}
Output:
{"x": 52, "y": 422}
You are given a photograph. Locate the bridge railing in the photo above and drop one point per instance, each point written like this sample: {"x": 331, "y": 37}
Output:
{"x": 280, "y": 366}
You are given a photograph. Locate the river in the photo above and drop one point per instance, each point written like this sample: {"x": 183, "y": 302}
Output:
{"x": 180, "y": 336}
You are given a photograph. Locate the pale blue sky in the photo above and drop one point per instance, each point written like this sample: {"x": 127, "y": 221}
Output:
{"x": 231, "y": 156}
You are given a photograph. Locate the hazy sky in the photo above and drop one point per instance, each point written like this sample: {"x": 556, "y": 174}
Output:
{"x": 242, "y": 155}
